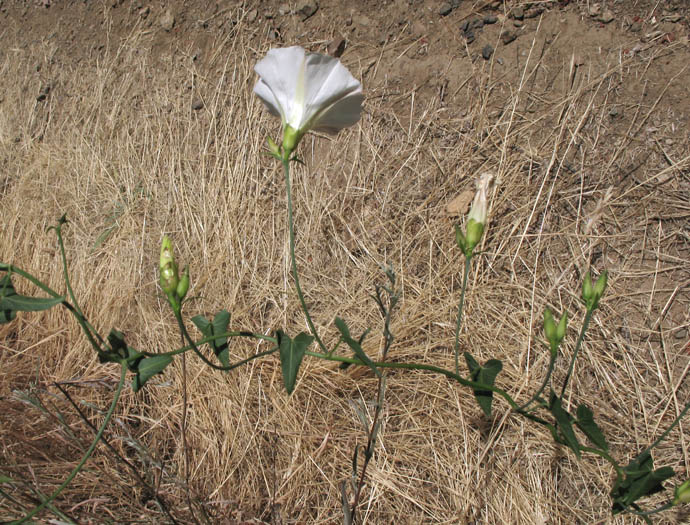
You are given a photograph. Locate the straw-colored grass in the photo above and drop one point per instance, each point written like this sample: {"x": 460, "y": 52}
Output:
{"x": 117, "y": 147}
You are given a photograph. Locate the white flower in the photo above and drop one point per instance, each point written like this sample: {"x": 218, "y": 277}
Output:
{"x": 479, "y": 206}
{"x": 308, "y": 91}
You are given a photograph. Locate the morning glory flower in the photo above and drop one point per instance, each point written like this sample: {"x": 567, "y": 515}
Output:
{"x": 308, "y": 91}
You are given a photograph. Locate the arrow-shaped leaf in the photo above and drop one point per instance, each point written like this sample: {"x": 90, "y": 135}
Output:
{"x": 291, "y": 354}
{"x": 564, "y": 421}
{"x": 585, "y": 422}
{"x": 355, "y": 345}
{"x": 218, "y": 326}
{"x": 485, "y": 375}
{"x": 147, "y": 368}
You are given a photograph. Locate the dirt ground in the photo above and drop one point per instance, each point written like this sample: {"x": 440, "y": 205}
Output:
{"x": 580, "y": 108}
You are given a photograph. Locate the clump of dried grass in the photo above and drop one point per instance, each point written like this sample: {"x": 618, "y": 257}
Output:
{"x": 118, "y": 148}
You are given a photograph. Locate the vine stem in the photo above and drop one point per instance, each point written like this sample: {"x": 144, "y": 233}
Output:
{"x": 88, "y": 453}
{"x": 286, "y": 168}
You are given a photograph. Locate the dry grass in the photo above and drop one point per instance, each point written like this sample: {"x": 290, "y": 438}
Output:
{"x": 117, "y": 147}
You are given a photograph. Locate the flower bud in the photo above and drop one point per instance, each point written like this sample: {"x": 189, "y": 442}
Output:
{"x": 600, "y": 286}
{"x": 549, "y": 326}
{"x": 587, "y": 289}
{"x": 682, "y": 493}
{"x": 460, "y": 239}
{"x": 167, "y": 267}
{"x": 183, "y": 285}
{"x": 476, "y": 219}
{"x": 562, "y": 326}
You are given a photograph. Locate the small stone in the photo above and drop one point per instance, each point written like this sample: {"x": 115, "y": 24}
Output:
{"x": 518, "y": 13}
{"x": 197, "y": 104}
{"x": 518, "y": 23}
{"x": 336, "y": 47}
{"x": 680, "y": 334}
{"x": 167, "y": 20}
{"x": 614, "y": 112}
{"x": 534, "y": 12}
{"x": 500, "y": 61}
{"x": 636, "y": 27}
{"x": 669, "y": 142}
{"x": 490, "y": 19}
{"x": 507, "y": 37}
{"x": 284, "y": 9}
{"x": 477, "y": 23}
{"x": 594, "y": 10}
{"x": 252, "y": 16}
{"x": 469, "y": 37}
{"x": 606, "y": 16}
{"x": 465, "y": 26}
{"x": 487, "y": 51}
{"x": 308, "y": 9}
{"x": 445, "y": 9}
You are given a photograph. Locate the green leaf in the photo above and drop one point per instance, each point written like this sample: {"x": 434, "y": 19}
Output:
{"x": 564, "y": 422}
{"x": 355, "y": 345}
{"x": 585, "y": 422}
{"x": 219, "y": 326}
{"x": 486, "y": 375}
{"x": 11, "y": 302}
{"x": 291, "y": 354}
{"x": 149, "y": 367}
{"x": 640, "y": 480}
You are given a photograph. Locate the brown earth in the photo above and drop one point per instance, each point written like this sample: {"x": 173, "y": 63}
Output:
{"x": 581, "y": 109}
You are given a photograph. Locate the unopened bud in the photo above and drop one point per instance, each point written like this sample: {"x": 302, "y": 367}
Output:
{"x": 587, "y": 289}
{"x": 600, "y": 286}
{"x": 167, "y": 267}
{"x": 273, "y": 147}
{"x": 291, "y": 138}
{"x": 682, "y": 493}
{"x": 562, "y": 326}
{"x": 183, "y": 285}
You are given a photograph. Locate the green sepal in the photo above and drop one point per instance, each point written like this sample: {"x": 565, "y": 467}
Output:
{"x": 291, "y": 355}
{"x": 485, "y": 375}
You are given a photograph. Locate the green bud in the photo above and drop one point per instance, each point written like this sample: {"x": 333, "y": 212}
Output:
{"x": 682, "y": 493}
{"x": 183, "y": 285}
{"x": 474, "y": 233}
{"x": 291, "y": 138}
{"x": 601, "y": 285}
{"x": 587, "y": 289}
{"x": 562, "y": 326}
{"x": 167, "y": 267}
{"x": 549, "y": 326}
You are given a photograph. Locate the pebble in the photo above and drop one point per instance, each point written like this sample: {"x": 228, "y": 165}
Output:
{"x": 477, "y": 23}
{"x": 43, "y": 93}
{"x": 336, "y": 47}
{"x": 490, "y": 19}
{"x": 487, "y": 51}
{"x": 594, "y": 10}
{"x": 445, "y": 9}
{"x": 614, "y": 112}
{"x": 469, "y": 36}
{"x": 606, "y": 16}
{"x": 518, "y": 23}
{"x": 534, "y": 12}
{"x": 308, "y": 9}
{"x": 197, "y": 104}
{"x": 681, "y": 334}
{"x": 507, "y": 37}
{"x": 518, "y": 13}
{"x": 252, "y": 16}
{"x": 167, "y": 20}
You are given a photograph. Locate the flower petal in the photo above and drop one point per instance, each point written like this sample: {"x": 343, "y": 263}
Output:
{"x": 344, "y": 113}
{"x": 327, "y": 81}
{"x": 278, "y": 72}
{"x": 262, "y": 90}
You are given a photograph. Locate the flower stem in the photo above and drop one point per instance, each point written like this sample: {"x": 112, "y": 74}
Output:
{"x": 286, "y": 168}
{"x": 585, "y": 325}
{"x": 552, "y": 363}
{"x": 458, "y": 322}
